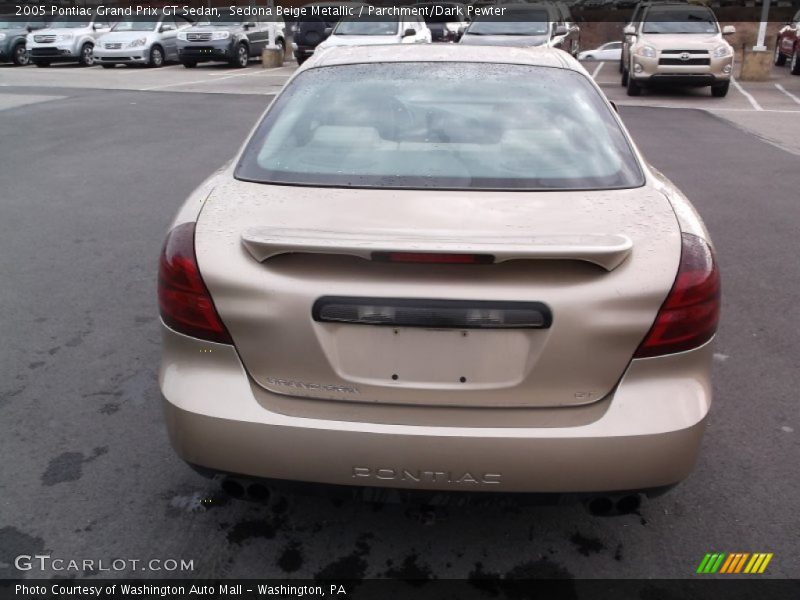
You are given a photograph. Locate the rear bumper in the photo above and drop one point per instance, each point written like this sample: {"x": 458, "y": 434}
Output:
{"x": 649, "y": 437}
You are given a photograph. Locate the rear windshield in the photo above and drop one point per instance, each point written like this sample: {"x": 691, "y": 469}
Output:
{"x": 441, "y": 125}
{"x": 366, "y": 27}
{"x": 518, "y": 22}
{"x": 689, "y": 20}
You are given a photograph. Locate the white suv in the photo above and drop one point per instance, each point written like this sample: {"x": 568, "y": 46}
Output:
{"x": 66, "y": 40}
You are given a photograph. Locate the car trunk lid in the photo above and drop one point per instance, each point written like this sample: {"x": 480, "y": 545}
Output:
{"x": 574, "y": 283}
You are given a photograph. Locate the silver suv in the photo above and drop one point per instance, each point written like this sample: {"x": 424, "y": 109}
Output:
{"x": 67, "y": 40}
{"x": 677, "y": 44}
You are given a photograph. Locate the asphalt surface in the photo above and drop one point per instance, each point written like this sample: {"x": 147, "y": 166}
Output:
{"x": 89, "y": 180}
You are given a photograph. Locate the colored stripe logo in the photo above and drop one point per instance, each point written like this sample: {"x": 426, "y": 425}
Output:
{"x": 734, "y": 563}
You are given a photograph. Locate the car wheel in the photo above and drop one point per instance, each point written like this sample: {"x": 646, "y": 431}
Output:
{"x": 634, "y": 89}
{"x": 240, "y": 56}
{"x": 625, "y": 77}
{"x": 19, "y": 56}
{"x": 796, "y": 62}
{"x": 721, "y": 90}
{"x": 189, "y": 64}
{"x": 87, "y": 55}
{"x": 108, "y": 66}
{"x": 156, "y": 57}
{"x": 42, "y": 63}
{"x": 780, "y": 59}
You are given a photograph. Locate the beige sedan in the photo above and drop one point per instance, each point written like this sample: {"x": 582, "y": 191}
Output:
{"x": 440, "y": 268}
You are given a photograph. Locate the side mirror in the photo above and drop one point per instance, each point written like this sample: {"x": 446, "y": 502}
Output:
{"x": 29, "y": 29}
{"x": 248, "y": 24}
{"x": 629, "y": 30}
{"x": 328, "y": 31}
{"x": 409, "y": 32}
{"x": 560, "y": 30}
{"x": 95, "y": 28}
{"x": 728, "y": 30}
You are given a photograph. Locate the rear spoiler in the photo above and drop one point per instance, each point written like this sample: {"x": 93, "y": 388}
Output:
{"x": 605, "y": 250}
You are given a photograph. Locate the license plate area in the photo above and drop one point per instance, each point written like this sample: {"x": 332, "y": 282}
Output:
{"x": 435, "y": 359}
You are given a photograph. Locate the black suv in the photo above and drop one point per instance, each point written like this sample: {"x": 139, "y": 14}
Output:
{"x": 310, "y": 30}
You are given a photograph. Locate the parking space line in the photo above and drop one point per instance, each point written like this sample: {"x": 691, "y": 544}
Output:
{"x": 168, "y": 85}
{"x": 788, "y": 93}
{"x": 596, "y": 72}
{"x": 746, "y": 94}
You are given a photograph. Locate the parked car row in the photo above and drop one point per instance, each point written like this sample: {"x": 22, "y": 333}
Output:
{"x": 522, "y": 24}
{"x": 152, "y": 41}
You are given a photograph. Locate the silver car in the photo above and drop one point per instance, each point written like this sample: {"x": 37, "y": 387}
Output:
{"x": 150, "y": 42}
{"x": 66, "y": 40}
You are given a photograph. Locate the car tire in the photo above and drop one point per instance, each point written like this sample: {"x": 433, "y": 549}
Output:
{"x": 108, "y": 65}
{"x": 156, "y": 58}
{"x": 86, "y": 58}
{"x": 241, "y": 56}
{"x": 795, "y": 67}
{"x": 625, "y": 77}
{"x": 634, "y": 89}
{"x": 19, "y": 55}
{"x": 779, "y": 59}
{"x": 720, "y": 90}
{"x": 42, "y": 63}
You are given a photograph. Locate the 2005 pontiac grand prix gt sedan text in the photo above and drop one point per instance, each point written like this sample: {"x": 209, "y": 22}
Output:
{"x": 440, "y": 268}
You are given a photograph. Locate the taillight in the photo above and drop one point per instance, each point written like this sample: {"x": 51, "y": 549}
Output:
{"x": 689, "y": 316}
{"x": 183, "y": 298}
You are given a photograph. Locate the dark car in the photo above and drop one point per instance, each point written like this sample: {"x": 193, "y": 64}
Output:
{"x": 311, "y": 29}
{"x": 446, "y": 20}
{"x": 234, "y": 42}
{"x": 787, "y": 46}
{"x": 12, "y": 38}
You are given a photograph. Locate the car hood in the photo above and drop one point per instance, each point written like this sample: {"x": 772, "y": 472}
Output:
{"x": 213, "y": 28}
{"x": 125, "y": 36}
{"x": 682, "y": 41}
{"x": 504, "y": 40}
{"x": 61, "y": 31}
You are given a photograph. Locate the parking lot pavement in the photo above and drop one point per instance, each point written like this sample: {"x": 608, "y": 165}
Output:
{"x": 210, "y": 78}
{"x": 759, "y": 107}
{"x": 89, "y": 185}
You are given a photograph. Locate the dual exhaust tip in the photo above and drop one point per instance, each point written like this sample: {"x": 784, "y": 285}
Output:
{"x": 599, "y": 506}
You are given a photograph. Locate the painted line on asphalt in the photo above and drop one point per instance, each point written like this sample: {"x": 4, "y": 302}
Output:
{"x": 596, "y": 72}
{"x": 746, "y": 94}
{"x": 169, "y": 85}
{"x": 788, "y": 93}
